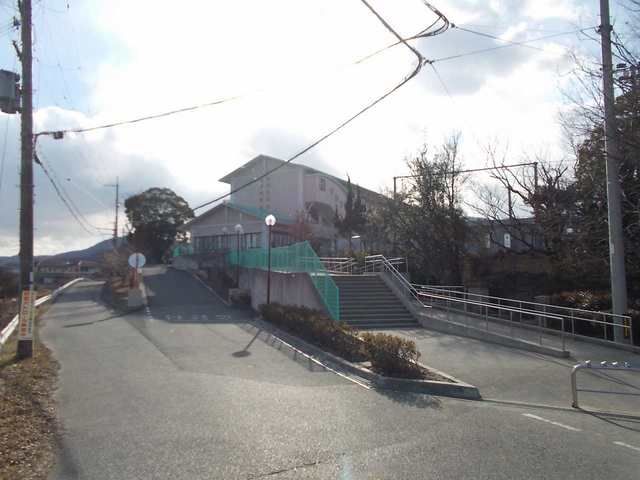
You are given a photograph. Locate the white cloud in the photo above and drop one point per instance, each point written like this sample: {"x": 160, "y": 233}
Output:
{"x": 293, "y": 61}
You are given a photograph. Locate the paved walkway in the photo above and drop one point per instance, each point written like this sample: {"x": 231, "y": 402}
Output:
{"x": 181, "y": 391}
{"x": 512, "y": 374}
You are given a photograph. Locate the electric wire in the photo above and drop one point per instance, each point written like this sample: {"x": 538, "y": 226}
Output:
{"x": 65, "y": 197}
{"x": 60, "y": 195}
{"x": 499, "y": 47}
{"x": 343, "y": 124}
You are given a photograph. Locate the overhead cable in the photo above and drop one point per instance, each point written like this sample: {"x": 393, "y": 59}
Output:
{"x": 331, "y": 132}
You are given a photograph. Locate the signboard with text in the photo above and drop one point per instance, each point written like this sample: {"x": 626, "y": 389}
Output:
{"x": 27, "y": 312}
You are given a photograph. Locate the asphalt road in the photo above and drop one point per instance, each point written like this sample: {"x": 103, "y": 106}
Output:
{"x": 183, "y": 392}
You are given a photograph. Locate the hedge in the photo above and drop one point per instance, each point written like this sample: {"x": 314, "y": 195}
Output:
{"x": 389, "y": 355}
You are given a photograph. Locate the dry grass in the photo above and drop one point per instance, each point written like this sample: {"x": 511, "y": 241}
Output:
{"x": 27, "y": 413}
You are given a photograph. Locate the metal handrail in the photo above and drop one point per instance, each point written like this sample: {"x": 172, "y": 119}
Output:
{"x": 624, "y": 366}
{"x": 404, "y": 283}
{"x": 560, "y": 307}
{"x": 569, "y": 316}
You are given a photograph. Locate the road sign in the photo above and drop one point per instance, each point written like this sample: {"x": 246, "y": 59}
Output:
{"x": 137, "y": 260}
{"x": 27, "y": 311}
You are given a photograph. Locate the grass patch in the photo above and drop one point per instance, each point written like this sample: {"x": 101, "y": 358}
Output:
{"x": 27, "y": 412}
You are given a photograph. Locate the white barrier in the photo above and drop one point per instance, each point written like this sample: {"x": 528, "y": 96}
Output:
{"x": 9, "y": 329}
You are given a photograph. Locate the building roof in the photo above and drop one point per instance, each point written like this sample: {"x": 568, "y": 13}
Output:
{"x": 307, "y": 170}
{"x": 258, "y": 213}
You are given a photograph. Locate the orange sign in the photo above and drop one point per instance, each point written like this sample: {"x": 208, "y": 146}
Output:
{"x": 27, "y": 311}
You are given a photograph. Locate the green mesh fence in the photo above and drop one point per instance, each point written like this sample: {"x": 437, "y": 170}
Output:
{"x": 299, "y": 257}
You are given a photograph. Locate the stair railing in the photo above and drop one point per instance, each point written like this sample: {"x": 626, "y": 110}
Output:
{"x": 379, "y": 263}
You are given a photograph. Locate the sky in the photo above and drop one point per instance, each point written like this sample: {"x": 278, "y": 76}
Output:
{"x": 290, "y": 65}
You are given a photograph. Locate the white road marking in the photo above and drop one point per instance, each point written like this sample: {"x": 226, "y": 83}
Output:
{"x": 557, "y": 424}
{"x": 622, "y": 444}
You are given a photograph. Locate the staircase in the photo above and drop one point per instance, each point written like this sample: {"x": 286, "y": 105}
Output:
{"x": 366, "y": 302}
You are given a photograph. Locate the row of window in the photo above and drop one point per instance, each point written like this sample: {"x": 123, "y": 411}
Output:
{"x": 220, "y": 242}
{"x": 247, "y": 240}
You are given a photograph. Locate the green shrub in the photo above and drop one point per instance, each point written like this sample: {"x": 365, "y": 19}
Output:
{"x": 392, "y": 356}
{"x": 316, "y": 328}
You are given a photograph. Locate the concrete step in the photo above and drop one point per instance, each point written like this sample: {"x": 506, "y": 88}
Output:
{"x": 382, "y": 325}
{"x": 398, "y": 314}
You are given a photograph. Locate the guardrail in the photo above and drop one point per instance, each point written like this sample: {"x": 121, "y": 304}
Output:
{"x": 12, "y": 325}
{"x": 573, "y": 322}
{"x": 384, "y": 265}
{"x": 620, "y": 366}
{"x": 340, "y": 265}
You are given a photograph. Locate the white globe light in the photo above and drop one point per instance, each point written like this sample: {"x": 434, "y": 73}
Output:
{"x": 270, "y": 220}
{"x": 238, "y": 228}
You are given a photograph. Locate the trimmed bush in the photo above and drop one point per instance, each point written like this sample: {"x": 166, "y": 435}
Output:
{"x": 392, "y": 356}
{"x": 389, "y": 355}
{"x": 316, "y": 328}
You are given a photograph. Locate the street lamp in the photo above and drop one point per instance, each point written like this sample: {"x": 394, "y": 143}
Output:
{"x": 238, "y": 229}
{"x": 270, "y": 220}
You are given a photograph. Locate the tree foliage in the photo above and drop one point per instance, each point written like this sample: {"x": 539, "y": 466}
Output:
{"x": 155, "y": 216}
{"x": 429, "y": 221}
{"x": 355, "y": 214}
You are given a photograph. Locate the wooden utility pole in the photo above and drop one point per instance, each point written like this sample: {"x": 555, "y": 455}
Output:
{"x": 25, "y": 342}
{"x": 611, "y": 152}
{"x": 115, "y": 225}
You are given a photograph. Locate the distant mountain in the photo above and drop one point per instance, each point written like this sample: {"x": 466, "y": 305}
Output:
{"x": 92, "y": 253}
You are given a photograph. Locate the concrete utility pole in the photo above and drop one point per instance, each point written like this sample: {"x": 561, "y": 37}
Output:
{"x": 616, "y": 238}
{"x": 25, "y": 345}
{"x": 115, "y": 225}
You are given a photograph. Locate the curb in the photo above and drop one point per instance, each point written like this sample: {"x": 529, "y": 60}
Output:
{"x": 456, "y": 388}
{"x": 202, "y": 282}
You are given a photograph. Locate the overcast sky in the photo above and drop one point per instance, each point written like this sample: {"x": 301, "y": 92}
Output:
{"x": 291, "y": 61}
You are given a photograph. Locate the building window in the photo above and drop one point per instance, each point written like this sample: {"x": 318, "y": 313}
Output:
{"x": 487, "y": 240}
{"x": 252, "y": 240}
{"x": 507, "y": 240}
{"x": 323, "y": 185}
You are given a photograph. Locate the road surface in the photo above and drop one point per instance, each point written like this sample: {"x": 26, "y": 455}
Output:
{"x": 181, "y": 391}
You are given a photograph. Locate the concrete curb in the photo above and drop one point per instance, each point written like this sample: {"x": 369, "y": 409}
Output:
{"x": 456, "y": 388}
{"x": 203, "y": 283}
{"x": 11, "y": 326}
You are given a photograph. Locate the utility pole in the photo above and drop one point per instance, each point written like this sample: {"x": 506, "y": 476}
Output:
{"x": 616, "y": 239}
{"x": 115, "y": 225}
{"x": 25, "y": 345}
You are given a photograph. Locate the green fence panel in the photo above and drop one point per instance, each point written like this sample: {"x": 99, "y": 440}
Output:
{"x": 299, "y": 257}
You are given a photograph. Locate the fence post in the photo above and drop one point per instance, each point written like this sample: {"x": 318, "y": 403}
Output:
{"x": 486, "y": 316}
{"x": 604, "y": 326}
{"x": 511, "y": 322}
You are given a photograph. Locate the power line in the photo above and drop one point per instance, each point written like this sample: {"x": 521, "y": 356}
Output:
{"x": 494, "y": 37}
{"x": 499, "y": 47}
{"x": 65, "y": 197}
{"x": 59, "y": 193}
{"x": 345, "y": 122}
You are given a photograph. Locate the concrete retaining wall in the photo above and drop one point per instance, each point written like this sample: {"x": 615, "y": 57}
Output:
{"x": 286, "y": 288}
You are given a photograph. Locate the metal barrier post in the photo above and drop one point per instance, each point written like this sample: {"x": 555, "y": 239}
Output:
{"x": 486, "y": 316}
{"x": 573, "y": 324}
{"x": 540, "y": 328}
{"x": 574, "y": 385}
{"x": 511, "y": 322}
{"x": 563, "y": 339}
{"x": 604, "y": 326}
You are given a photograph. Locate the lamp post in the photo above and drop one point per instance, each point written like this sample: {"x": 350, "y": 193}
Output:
{"x": 270, "y": 220}
{"x": 238, "y": 229}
